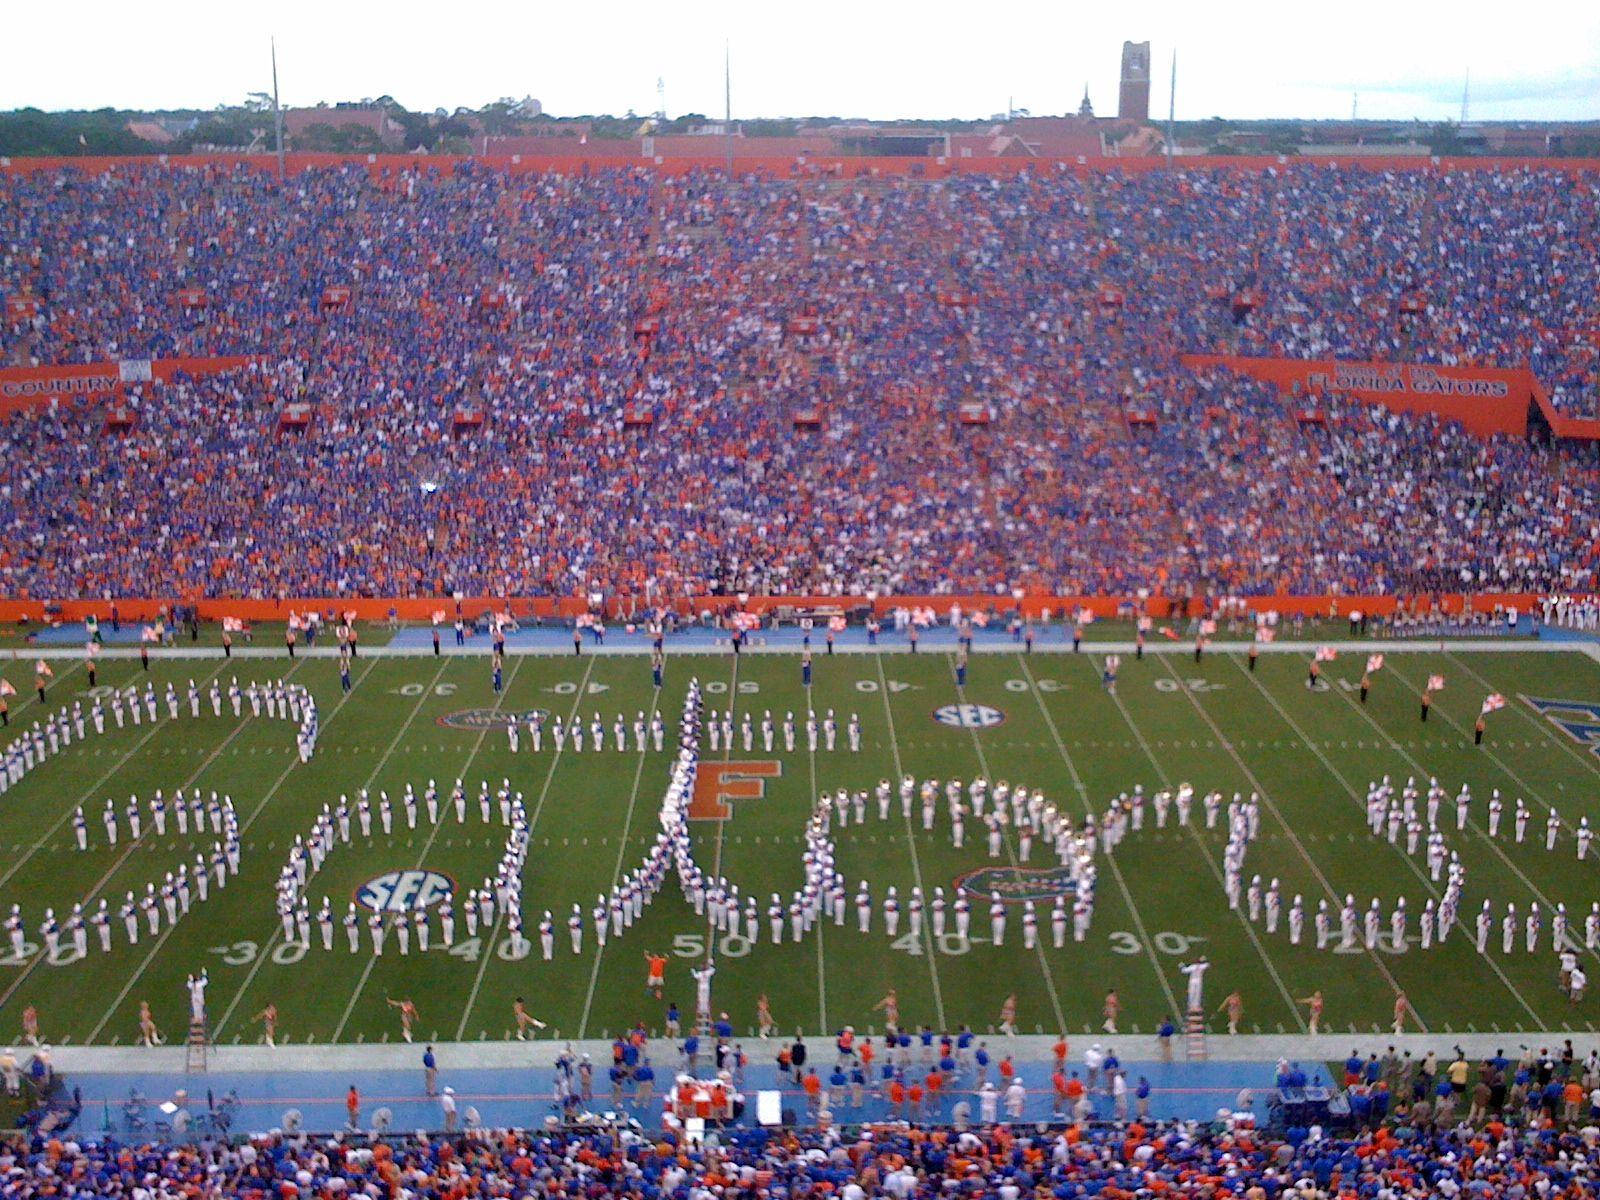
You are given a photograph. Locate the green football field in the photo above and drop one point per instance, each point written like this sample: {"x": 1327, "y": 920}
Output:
{"x": 1309, "y": 754}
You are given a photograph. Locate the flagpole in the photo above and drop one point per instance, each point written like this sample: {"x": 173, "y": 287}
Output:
{"x": 277, "y": 111}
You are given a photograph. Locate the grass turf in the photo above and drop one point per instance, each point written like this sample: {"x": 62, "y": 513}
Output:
{"x": 1213, "y": 724}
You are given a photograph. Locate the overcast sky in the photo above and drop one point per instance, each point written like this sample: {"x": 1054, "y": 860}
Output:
{"x": 866, "y": 58}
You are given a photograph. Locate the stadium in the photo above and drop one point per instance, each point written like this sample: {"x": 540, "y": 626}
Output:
{"x": 881, "y": 658}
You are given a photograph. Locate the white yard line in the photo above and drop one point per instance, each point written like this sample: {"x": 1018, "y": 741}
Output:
{"x": 1589, "y": 761}
{"x": 88, "y": 793}
{"x": 1111, "y": 859}
{"x": 983, "y": 764}
{"x": 1283, "y": 823}
{"x": 167, "y": 932}
{"x": 1422, "y": 876}
{"x": 533, "y": 820}
{"x": 477, "y": 746}
{"x": 1545, "y": 901}
{"x": 1205, "y": 854}
{"x": 727, "y": 755}
{"x": 822, "y": 967}
{"x": 122, "y": 859}
{"x": 616, "y": 870}
{"x": 272, "y": 939}
{"x": 911, "y": 840}
{"x": 26, "y": 696}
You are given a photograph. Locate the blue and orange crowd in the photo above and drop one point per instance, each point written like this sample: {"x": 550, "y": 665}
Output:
{"x": 648, "y": 353}
{"x": 1217, "y": 1161}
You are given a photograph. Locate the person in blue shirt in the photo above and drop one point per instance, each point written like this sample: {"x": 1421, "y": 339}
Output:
{"x": 1110, "y": 1068}
{"x": 837, "y": 1082}
{"x": 805, "y": 669}
{"x": 723, "y": 1028}
{"x": 980, "y": 1057}
{"x": 1141, "y": 1094}
{"x": 1164, "y": 1033}
{"x": 644, "y": 1081}
{"x": 691, "y": 1053}
{"x": 1352, "y": 1067}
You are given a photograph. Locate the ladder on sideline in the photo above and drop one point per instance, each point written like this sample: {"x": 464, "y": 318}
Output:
{"x": 195, "y": 1062}
{"x": 1194, "y": 1035}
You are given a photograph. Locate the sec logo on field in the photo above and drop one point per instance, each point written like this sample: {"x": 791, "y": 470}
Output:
{"x": 405, "y": 891}
{"x": 479, "y": 719}
{"x": 969, "y": 716}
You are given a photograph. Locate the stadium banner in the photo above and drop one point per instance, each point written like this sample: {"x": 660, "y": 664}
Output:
{"x": 421, "y": 609}
{"x": 34, "y": 387}
{"x": 1485, "y": 400}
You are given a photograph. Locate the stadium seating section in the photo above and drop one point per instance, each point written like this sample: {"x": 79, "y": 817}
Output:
{"x": 537, "y": 384}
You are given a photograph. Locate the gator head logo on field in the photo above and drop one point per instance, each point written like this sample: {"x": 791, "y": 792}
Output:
{"x": 479, "y": 719}
{"x": 405, "y": 891}
{"x": 1016, "y": 885}
{"x": 1578, "y": 719}
{"x": 968, "y": 716}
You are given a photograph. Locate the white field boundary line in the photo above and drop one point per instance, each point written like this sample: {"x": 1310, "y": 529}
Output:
{"x": 1422, "y": 877}
{"x": 540, "y": 1054}
{"x": 911, "y": 841}
{"x": 1011, "y": 855}
{"x": 1294, "y": 839}
{"x": 272, "y": 939}
{"x": 240, "y": 724}
{"x": 433, "y": 834}
{"x": 642, "y": 648}
{"x": 167, "y": 932}
{"x": 1206, "y": 856}
{"x": 1111, "y": 859}
{"x": 616, "y": 871}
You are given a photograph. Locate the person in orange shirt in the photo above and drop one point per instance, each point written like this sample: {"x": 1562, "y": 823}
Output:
{"x": 655, "y": 972}
{"x": 352, "y": 1106}
{"x": 1074, "y": 1093}
{"x": 897, "y": 1097}
{"x": 914, "y": 1099}
{"x": 934, "y": 1086}
{"x": 812, "y": 1084}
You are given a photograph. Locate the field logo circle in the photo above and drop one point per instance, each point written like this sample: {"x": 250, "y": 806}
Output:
{"x": 405, "y": 891}
{"x": 479, "y": 719}
{"x": 968, "y": 716}
{"x": 1015, "y": 885}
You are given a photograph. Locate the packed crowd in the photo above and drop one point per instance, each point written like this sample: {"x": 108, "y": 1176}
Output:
{"x": 1137, "y": 1159}
{"x": 643, "y": 347}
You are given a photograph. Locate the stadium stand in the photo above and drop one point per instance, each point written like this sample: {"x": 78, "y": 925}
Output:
{"x": 1220, "y": 1159}
{"x": 786, "y": 385}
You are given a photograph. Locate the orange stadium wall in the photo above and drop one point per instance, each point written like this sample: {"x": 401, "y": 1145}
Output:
{"x": 413, "y": 608}
{"x": 35, "y": 387}
{"x": 1485, "y": 400}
